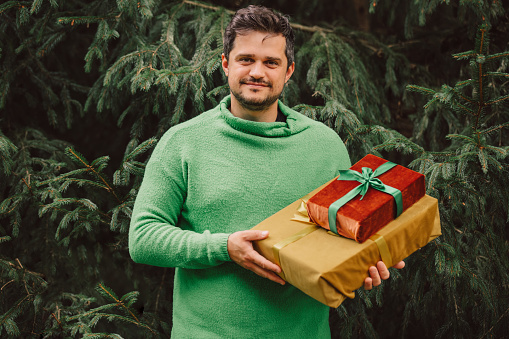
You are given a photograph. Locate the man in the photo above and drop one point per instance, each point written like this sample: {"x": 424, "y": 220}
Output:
{"x": 214, "y": 177}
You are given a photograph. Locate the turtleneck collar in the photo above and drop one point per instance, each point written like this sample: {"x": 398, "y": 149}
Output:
{"x": 294, "y": 122}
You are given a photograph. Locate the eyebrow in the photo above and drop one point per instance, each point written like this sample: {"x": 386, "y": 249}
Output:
{"x": 273, "y": 58}
{"x": 252, "y": 55}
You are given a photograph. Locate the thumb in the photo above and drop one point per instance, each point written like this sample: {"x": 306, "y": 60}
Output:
{"x": 251, "y": 235}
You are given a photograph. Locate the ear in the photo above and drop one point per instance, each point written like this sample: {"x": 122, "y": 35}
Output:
{"x": 289, "y": 72}
{"x": 224, "y": 63}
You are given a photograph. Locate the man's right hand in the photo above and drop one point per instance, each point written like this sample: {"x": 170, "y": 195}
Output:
{"x": 241, "y": 251}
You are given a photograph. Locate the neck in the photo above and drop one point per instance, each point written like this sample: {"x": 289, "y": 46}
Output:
{"x": 269, "y": 114}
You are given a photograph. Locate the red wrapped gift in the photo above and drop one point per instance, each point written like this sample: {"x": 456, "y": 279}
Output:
{"x": 362, "y": 216}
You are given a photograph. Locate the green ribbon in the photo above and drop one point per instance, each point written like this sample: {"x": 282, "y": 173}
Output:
{"x": 287, "y": 241}
{"x": 368, "y": 179}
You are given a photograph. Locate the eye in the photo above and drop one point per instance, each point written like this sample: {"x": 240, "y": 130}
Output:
{"x": 272, "y": 63}
{"x": 245, "y": 60}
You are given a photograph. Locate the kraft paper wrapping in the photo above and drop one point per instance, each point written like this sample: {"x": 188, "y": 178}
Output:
{"x": 329, "y": 268}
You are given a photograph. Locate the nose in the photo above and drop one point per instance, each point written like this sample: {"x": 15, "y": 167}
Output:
{"x": 256, "y": 70}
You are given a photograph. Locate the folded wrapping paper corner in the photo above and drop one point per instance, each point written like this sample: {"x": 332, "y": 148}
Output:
{"x": 301, "y": 214}
{"x": 339, "y": 207}
{"x": 330, "y": 268}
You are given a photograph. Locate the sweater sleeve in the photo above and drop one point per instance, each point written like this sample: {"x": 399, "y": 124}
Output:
{"x": 154, "y": 237}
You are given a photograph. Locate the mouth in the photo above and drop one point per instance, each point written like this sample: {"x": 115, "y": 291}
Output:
{"x": 259, "y": 84}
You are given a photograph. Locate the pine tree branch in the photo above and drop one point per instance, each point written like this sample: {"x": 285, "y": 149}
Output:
{"x": 492, "y": 327}
{"x": 463, "y": 83}
{"x": 12, "y": 4}
{"x": 121, "y": 61}
{"x": 10, "y": 311}
{"x": 465, "y": 108}
{"x": 497, "y": 74}
{"x": 358, "y": 100}
{"x": 199, "y": 4}
{"x": 495, "y": 128}
{"x": 327, "y": 48}
{"x": 462, "y": 96}
{"x": 27, "y": 184}
{"x": 483, "y": 31}
{"x": 137, "y": 323}
{"x": 464, "y": 55}
{"x": 119, "y": 302}
{"x": 498, "y": 55}
{"x": 92, "y": 169}
{"x": 87, "y": 19}
{"x": 497, "y": 100}
{"x": 420, "y": 89}
{"x": 24, "y": 280}
{"x": 83, "y": 181}
{"x": 79, "y": 216}
{"x": 58, "y": 321}
{"x": 167, "y": 40}
{"x": 481, "y": 97}
{"x": 312, "y": 29}
{"x": 7, "y": 283}
{"x": 23, "y": 268}
{"x": 13, "y": 207}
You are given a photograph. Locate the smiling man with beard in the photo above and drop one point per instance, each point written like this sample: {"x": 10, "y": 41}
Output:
{"x": 257, "y": 70}
{"x": 212, "y": 178}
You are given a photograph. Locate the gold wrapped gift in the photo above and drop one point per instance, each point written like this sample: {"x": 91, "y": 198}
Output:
{"x": 330, "y": 268}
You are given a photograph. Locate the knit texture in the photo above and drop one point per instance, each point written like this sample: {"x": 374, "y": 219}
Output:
{"x": 214, "y": 175}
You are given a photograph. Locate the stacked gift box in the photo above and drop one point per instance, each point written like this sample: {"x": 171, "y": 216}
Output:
{"x": 380, "y": 212}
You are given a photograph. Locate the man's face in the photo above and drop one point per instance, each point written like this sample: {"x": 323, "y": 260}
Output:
{"x": 257, "y": 69}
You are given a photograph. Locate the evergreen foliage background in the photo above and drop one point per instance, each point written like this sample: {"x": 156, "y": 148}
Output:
{"x": 87, "y": 87}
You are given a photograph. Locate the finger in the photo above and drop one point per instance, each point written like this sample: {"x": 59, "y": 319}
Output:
{"x": 251, "y": 235}
{"x": 399, "y": 265}
{"x": 368, "y": 283}
{"x": 265, "y": 273}
{"x": 265, "y": 264}
{"x": 382, "y": 270}
{"x": 375, "y": 276}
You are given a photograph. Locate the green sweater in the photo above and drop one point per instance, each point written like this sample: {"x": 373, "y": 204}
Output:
{"x": 214, "y": 175}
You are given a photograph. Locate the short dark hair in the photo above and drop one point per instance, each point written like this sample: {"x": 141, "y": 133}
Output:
{"x": 258, "y": 19}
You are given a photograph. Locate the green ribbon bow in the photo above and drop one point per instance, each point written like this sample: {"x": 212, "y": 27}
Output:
{"x": 367, "y": 178}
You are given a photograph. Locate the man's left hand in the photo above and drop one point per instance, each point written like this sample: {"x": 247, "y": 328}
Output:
{"x": 378, "y": 273}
